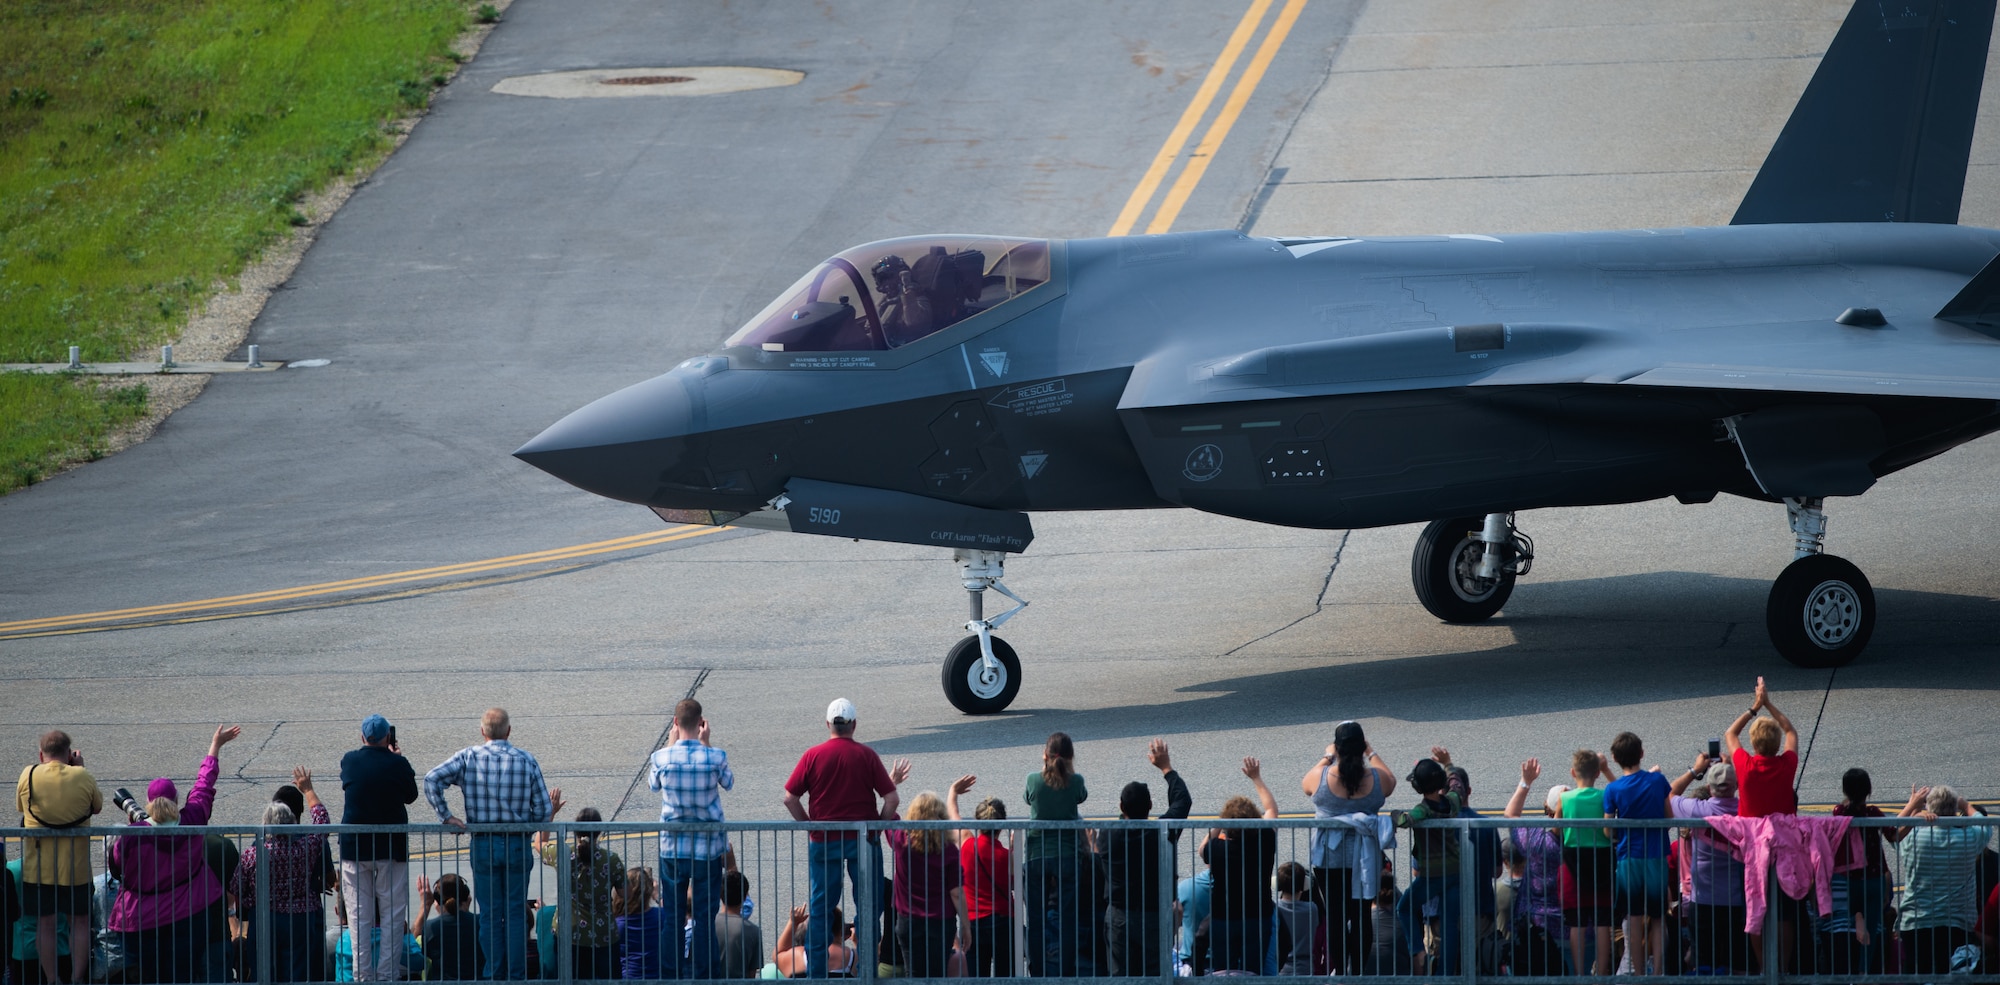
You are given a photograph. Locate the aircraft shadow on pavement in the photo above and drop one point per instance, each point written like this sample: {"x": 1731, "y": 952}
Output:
{"x": 1606, "y": 631}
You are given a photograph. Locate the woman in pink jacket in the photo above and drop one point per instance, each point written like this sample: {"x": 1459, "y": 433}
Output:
{"x": 167, "y": 884}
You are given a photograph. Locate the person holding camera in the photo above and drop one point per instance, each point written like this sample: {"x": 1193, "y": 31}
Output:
{"x": 57, "y": 792}
{"x": 379, "y": 785}
{"x": 1940, "y": 901}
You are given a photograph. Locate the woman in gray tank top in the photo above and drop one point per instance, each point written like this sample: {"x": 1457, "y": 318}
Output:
{"x": 1349, "y": 779}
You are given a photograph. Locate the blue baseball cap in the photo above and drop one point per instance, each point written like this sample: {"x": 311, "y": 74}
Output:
{"x": 375, "y": 728}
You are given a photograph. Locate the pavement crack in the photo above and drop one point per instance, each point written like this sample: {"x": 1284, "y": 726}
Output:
{"x": 261, "y": 746}
{"x": 700, "y": 678}
{"x": 1727, "y": 632}
{"x": 1319, "y": 601}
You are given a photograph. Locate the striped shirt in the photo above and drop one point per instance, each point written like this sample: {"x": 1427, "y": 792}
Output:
{"x": 502, "y": 785}
{"x": 690, "y": 778}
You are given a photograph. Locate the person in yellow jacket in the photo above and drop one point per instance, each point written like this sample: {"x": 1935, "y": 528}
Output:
{"x": 57, "y": 792}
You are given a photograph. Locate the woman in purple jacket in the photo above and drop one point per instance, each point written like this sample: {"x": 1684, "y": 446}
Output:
{"x": 167, "y": 884}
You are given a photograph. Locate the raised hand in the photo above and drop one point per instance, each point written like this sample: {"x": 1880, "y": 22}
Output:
{"x": 1531, "y": 770}
{"x": 556, "y": 802}
{"x": 899, "y": 772}
{"x": 1156, "y": 753}
{"x": 1763, "y": 696}
{"x": 302, "y": 778}
{"x": 963, "y": 783}
{"x": 1252, "y": 768}
{"x": 1442, "y": 755}
{"x": 224, "y": 735}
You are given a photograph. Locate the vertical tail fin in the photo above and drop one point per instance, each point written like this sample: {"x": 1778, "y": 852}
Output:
{"x": 1885, "y": 128}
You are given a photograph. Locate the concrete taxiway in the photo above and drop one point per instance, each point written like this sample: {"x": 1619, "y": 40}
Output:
{"x": 298, "y": 549}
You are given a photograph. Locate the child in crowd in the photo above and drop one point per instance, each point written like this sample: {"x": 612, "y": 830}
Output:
{"x": 1301, "y": 948}
{"x": 1591, "y": 866}
{"x": 640, "y": 921}
{"x": 1641, "y": 871}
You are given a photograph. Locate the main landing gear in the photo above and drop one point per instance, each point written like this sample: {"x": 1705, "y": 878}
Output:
{"x": 1821, "y": 610}
{"x": 982, "y": 674}
{"x": 1464, "y": 568}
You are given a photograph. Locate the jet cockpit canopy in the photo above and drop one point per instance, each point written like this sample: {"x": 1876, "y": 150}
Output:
{"x": 891, "y": 293}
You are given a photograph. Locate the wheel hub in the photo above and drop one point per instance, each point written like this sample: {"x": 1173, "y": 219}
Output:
{"x": 1465, "y": 580}
{"x": 1832, "y": 614}
{"x": 984, "y": 681}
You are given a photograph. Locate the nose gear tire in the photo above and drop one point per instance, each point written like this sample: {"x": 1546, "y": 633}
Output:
{"x": 969, "y": 687}
{"x": 1821, "y": 612}
{"x": 1443, "y": 569}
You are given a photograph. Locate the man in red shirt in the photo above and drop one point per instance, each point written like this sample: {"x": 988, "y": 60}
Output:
{"x": 1763, "y": 774}
{"x": 837, "y": 780}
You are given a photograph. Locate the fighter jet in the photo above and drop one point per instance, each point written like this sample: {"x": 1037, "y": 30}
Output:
{"x": 936, "y": 390}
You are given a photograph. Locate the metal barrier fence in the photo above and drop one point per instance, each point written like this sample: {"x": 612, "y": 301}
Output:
{"x": 1472, "y": 899}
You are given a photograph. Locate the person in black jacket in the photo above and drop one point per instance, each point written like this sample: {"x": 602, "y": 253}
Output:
{"x": 1137, "y": 894}
{"x": 379, "y": 785}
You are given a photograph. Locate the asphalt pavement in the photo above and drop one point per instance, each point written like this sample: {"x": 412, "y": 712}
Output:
{"x": 296, "y": 550}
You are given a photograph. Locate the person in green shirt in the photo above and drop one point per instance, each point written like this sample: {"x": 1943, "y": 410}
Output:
{"x": 1056, "y": 868}
{"x": 1588, "y": 857}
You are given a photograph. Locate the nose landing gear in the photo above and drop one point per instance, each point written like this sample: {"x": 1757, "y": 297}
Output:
{"x": 1821, "y": 611}
{"x": 1464, "y": 568}
{"x": 981, "y": 673}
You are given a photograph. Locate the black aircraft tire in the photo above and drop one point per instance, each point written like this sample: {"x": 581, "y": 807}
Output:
{"x": 1440, "y": 568}
{"x": 1821, "y": 612}
{"x": 962, "y": 686}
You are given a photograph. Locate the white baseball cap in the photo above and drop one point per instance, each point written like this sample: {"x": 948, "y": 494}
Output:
{"x": 841, "y": 710}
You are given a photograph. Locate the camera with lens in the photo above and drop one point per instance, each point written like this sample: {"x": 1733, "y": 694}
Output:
{"x": 124, "y": 801}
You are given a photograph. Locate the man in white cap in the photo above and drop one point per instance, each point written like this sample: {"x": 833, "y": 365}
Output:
{"x": 1714, "y": 910}
{"x": 837, "y": 780}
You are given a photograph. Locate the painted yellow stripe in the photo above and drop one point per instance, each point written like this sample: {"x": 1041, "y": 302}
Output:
{"x": 668, "y": 535}
{"x": 1204, "y": 152}
{"x": 308, "y": 607}
{"x": 1196, "y": 109}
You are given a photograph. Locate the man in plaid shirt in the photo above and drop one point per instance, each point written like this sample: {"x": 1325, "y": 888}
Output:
{"x": 502, "y": 785}
{"x": 690, "y": 776}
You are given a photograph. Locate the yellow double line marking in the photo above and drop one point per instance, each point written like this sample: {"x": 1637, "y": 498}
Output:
{"x": 1211, "y": 140}
{"x": 55, "y": 625}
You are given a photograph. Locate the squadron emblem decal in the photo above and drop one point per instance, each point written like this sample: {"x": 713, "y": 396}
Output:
{"x": 1203, "y": 463}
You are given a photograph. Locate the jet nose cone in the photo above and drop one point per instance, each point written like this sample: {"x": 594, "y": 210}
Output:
{"x": 619, "y": 445}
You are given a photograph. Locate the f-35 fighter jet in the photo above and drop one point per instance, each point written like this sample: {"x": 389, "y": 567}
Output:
{"x": 938, "y": 389}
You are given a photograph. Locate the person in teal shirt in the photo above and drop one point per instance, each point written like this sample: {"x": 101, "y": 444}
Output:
{"x": 1055, "y": 870}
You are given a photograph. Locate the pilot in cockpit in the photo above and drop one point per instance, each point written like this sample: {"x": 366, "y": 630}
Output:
{"x": 906, "y": 311}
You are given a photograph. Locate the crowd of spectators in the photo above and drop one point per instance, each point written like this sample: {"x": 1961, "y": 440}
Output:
{"x": 1585, "y": 895}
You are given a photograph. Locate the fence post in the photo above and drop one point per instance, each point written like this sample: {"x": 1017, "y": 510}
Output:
{"x": 565, "y": 926}
{"x": 867, "y": 922}
{"x": 1165, "y": 902}
{"x": 1468, "y": 904}
{"x": 263, "y": 911}
{"x": 1772, "y": 939}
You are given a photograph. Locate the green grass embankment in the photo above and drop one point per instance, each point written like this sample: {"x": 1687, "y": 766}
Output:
{"x": 149, "y": 149}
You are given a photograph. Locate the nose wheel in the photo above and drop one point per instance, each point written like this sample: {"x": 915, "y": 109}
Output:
{"x": 1821, "y": 611}
{"x": 1464, "y": 568}
{"x": 977, "y": 687}
{"x": 981, "y": 673}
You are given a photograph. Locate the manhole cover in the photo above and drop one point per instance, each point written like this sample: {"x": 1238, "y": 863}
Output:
{"x": 625, "y": 83}
{"x": 646, "y": 80}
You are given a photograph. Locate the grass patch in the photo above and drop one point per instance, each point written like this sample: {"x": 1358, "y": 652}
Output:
{"x": 55, "y": 420}
{"x": 149, "y": 148}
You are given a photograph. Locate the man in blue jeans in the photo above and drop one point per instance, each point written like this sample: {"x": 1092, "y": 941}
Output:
{"x": 838, "y": 780}
{"x": 690, "y": 776}
{"x": 502, "y": 785}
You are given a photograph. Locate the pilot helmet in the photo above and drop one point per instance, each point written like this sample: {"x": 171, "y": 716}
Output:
{"x": 887, "y": 272}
